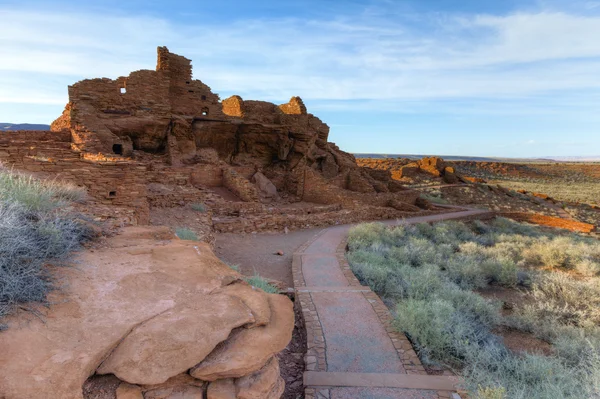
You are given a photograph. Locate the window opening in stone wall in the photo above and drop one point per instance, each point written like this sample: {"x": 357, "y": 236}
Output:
{"x": 205, "y": 111}
{"x": 203, "y": 97}
{"x": 112, "y": 194}
{"x": 123, "y": 90}
{"x": 118, "y": 149}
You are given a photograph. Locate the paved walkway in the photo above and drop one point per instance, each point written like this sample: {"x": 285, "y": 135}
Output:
{"x": 353, "y": 352}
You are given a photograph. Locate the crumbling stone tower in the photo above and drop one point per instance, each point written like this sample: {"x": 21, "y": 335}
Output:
{"x": 152, "y": 111}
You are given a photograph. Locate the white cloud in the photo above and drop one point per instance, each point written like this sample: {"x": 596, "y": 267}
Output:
{"x": 359, "y": 57}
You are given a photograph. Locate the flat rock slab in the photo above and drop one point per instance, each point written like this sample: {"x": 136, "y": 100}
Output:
{"x": 323, "y": 271}
{"x": 354, "y": 337}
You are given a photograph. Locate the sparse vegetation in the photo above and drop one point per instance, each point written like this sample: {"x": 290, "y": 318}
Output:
{"x": 186, "y": 234}
{"x": 435, "y": 198}
{"x": 430, "y": 276}
{"x": 260, "y": 282}
{"x": 571, "y": 182}
{"x": 36, "y": 227}
{"x": 235, "y": 267}
{"x": 199, "y": 207}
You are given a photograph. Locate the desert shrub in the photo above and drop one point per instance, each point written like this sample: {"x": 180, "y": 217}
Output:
{"x": 36, "y": 195}
{"x": 491, "y": 393}
{"x": 430, "y": 272}
{"x": 199, "y": 207}
{"x": 434, "y": 199}
{"x": 186, "y": 234}
{"x": 560, "y": 298}
{"x": 260, "y": 282}
{"x": 35, "y": 228}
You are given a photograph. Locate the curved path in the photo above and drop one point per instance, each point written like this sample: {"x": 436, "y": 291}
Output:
{"x": 353, "y": 352}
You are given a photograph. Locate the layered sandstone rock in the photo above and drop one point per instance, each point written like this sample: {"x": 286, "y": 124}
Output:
{"x": 401, "y": 169}
{"x": 259, "y": 151}
{"x": 248, "y": 350}
{"x": 263, "y": 384}
{"x": 146, "y": 311}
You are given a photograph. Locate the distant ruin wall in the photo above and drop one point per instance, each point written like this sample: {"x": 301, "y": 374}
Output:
{"x": 294, "y": 107}
{"x": 120, "y": 184}
{"x": 239, "y": 185}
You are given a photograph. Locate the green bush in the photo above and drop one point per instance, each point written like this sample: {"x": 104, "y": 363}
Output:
{"x": 186, "y": 234}
{"x": 430, "y": 272}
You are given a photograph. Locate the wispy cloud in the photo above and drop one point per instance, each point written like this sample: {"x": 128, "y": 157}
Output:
{"x": 376, "y": 55}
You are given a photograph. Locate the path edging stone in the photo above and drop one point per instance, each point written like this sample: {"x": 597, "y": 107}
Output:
{"x": 315, "y": 359}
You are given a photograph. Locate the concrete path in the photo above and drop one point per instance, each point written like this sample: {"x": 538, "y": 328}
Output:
{"x": 353, "y": 351}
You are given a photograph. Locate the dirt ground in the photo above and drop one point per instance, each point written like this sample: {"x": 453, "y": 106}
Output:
{"x": 291, "y": 359}
{"x": 257, "y": 253}
{"x": 516, "y": 341}
{"x": 184, "y": 217}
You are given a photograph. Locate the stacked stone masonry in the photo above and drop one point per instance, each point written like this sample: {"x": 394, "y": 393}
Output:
{"x": 159, "y": 138}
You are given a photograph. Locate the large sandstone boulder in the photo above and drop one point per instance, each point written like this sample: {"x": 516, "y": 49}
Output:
{"x": 254, "y": 299}
{"x": 182, "y": 386}
{"x": 409, "y": 170}
{"x": 450, "y": 176}
{"x": 355, "y": 181}
{"x": 248, "y": 350}
{"x": 266, "y": 383}
{"x": 147, "y": 311}
{"x": 432, "y": 165}
{"x": 128, "y": 391}
{"x": 265, "y": 187}
{"x": 173, "y": 341}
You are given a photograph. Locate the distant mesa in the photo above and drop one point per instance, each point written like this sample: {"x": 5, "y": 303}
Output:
{"x": 22, "y": 126}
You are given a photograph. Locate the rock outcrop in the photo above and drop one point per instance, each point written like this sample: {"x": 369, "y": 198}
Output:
{"x": 146, "y": 308}
{"x": 401, "y": 169}
{"x": 260, "y": 151}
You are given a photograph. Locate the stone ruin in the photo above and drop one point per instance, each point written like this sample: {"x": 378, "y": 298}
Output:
{"x": 163, "y": 139}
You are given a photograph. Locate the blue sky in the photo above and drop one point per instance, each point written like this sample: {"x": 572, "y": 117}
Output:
{"x": 454, "y": 77}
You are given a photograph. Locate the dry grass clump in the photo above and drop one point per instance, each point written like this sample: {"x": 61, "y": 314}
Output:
{"x": 36, "y": 227}
{"x": 186, "y": 234}
{"x": 37, "y": 195}
{"x": 260, "y": 282}
{"x": 428, "y": 274}
{"x": 199, "y": 207}
{"x": 571, "y": 182}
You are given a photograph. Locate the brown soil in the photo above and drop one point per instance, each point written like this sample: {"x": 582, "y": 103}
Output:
{"x": 101, "y": 387}
{"x": 522, "y": 342}
{"x": 515, "y": 340}
{"x": 257, "y": 253}
{"x": 510, "y": 298}
{"x": 226, "y": 194}
{"x": 291, "y": 359}
{"x": 184, "y": 217}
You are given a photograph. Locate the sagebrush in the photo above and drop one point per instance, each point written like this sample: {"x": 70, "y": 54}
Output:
{"x": 430, "y": 274}
{"x": 36, "y": 227}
